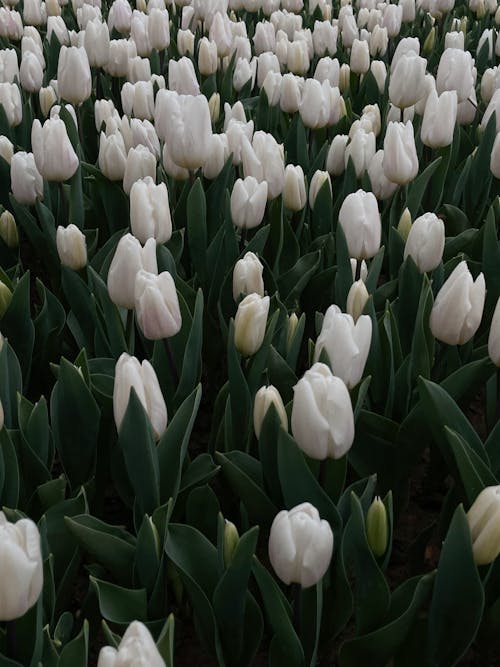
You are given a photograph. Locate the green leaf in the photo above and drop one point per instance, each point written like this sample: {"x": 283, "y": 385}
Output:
{"x": 191, "y": 365}
{"x": 137, "y": 444}
{"x": 10, "y": 384}
{"x": 75, "y": 423}
{"x": 120, "y": 605}
{"x": 299, "y": 485}
{"x": 17, "y": 325}
{"x": 196, "y": 559}
{"x": 259, "y": 507}
{"x": 111, "y": 546}
{"x": 279, "y": 617}
{"x": 165, "y": 643}
{"x": 172, "y": 447}
{"x": 372, "y": 592}
{"x": 196, "y": 210}
{"x": 418, "y": 187}
{"x": 147, "y": 554}
{"x": 458, "y": 597}
{"x": 75, "y": 653}
{"x": 239, "y": 396}
{"x": 379, "y": 646}
{"x": 443, "y": 411}
{"x": 230, "y": 596}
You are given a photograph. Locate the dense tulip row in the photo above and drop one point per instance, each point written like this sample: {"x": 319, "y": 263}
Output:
{"x": 249, "y": 304}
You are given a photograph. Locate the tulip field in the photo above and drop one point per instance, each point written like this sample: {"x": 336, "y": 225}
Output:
{"x": 249, "y": 333}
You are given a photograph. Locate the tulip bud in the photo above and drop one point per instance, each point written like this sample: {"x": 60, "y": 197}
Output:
{"x": 214, "y": 107}
{"x": 356, "y": 299}
{"x": 5, "y": 299}
{"x": 10, "y": 100}
{"x": 455, "y": 73}
{"x": 263, "y": 400}
{"x": 231, "y": 539}
{"x": 71, "y": 247}
{"x": 484, "y": 524}
{"x": 294, "y": 188}
{"x": 344, "y": 77}
{"x": 291, "y": 328}
{"x": 136, "y": 647}
{"x": 347, "y": 344}
{"x": 73, "y": 75}
{"x": 248, "y": 202}
{"x": 379, "y": 71}
{"x": 317, "y": 181}
{"x": 428, "y": 46}
{"x": 300, "y": 545}
{"x": 377, "y": 529}
{"x": 404, "y": 224}
{"x": 112, "y": 158}
{"x": 142, "y": 377}
{"x": 400, "y": 161}
{"x": 438, "y": 123}
{"x": 360, "y": 57}
{"x": 250, "y": 324}
{"x": 48, "y": 98}
{"x": 335, "y": 160}
{"x": 128, "y": 260}
{"x": 150, "y": 211}
{"x": 140, "y": 163}
{"x": 6, "y": 148}
{"x": 207, "y": 57}
{"x": 322, "y": 417}
{"x": 54, "y": 155}
{"x": 359, "y": 218}
{"x": 494, "y": 337}
{"x": 22, "y": 567}
{"x": 458, "y": 308}
{"x": 407, "y": 82}
{"x": 8, "y": 230}
{"x": 157, "y": 305}
{"x": 425, "y": 242}
{"x": 247, "y": 276}
{"x": 26, "y": 181}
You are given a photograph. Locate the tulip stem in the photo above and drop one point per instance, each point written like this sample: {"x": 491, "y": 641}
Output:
{"x": 297, "y": 607}
{"x": 322, "y": 473}
{"x": 11, "y": 639}
{"x": 358, "y": 270}
{"x": 171, "y": 362}
{"x": 129, "y": 327}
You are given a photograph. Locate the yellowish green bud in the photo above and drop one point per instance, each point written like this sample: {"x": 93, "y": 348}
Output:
{"x": 429, "y": 41}
{"x": 231, "y": 539}
{"x": 293, "y": 322}
{"x": 404, "y": 224}
{"x": 214, "y": 107}
{"x": 463, "y": 25}
{"x": 5, "y": 298}
{"x": 8, "y": 229}
{"x": 377, "y": 528}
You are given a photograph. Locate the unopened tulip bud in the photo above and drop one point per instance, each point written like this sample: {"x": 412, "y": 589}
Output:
{"x": 214, "y": 107}
{"x": 404, "y": 224}
{"x": 458, "y": 308}
{"x": 248, "y": 202}
{"x": 300, "y": 545}
{"x": 73, "y": 75}
{"x": 263, "y": 400}
{"x": 250, "y": 324}
{"x": 359, "y": 218}
{"x": 400, "y": 161}
{"x": 129, "y": 372}
{"x": 150, "y": 211}
{"x": 8, "y": 230}
{"x": 425, "y": 242}
{"x": 494, "y": 337}
{"x": 292, "y": 324}
{"x": 26, "y": 181}
{"x": 157, "y": 305}
{"x": 54, "y": 155}
{"x": 207, "y": 57}
{"x": 71, "y": 247}
{"x": 317, "y": 181}
{"x": 428, "y": 46}
{"x": 137, "y": 646}
{"x": 231, "y": 539}
{"x": 344, "y": 77}
{"x": 6, "y": 148}
{"x": 322, "y": 417}
{"x": 48, "y": 98}
{"x": 5, "y": 298}
{"x": 247, "y": 276}
{"x": 22, "y": 567}
{"x": 377, "y": 529}
{"x": 294, "y": 188}
{"x": 356, "y": 299}
{"x": 484, "y": 524}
